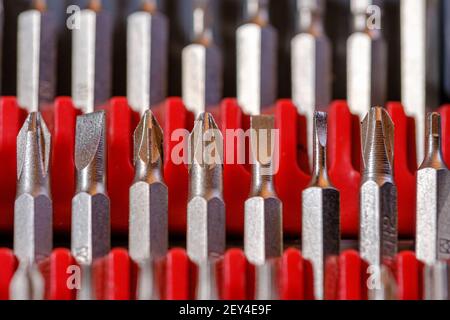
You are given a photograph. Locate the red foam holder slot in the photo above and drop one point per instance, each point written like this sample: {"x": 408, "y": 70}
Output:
{"x": 8, "y": 263}
{"x": 445, "y": 123}
{"x": 352, "y": 276}
{"x": 409, "y": 274}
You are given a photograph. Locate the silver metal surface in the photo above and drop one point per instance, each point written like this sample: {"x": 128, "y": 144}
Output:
{"x": 320, "y": 210}
{"x": 378, "y": 193}
{"x": 147, "y": 58}
{"x": 86, "y": 291}
{"x": 33, "y": 228}
{"x": 257, "y": 44}
{"x": 207, "y": 286}
{"x": 437, "y": 281}
{"x": 148, "y": 235}
{"x": 263, "y": 231}
{"x": 433, "y": 198}
{"x": 366, "y": 63}
{"x": 91, "y": 60}
{"x": 386, "y": 288}
{"x": 206, "y": 207}
{"x": 27, "y": 283}
{"x": 147, "y": 282}
{"x": 266, "y": 282}
{"x": 90, "y": 205}
{"x": 420, "y": 62}
{"x": 311, "y": 64}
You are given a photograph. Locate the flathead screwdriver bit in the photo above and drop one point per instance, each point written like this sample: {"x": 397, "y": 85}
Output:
{"x": 367, "y": 60}
{"x": 202, "y": 71}
{"x": 206, "y": 207}
{"x": 378, "y": 193}
{"x": 320, "y": 210}
{"x": 263, "y": 230}
{"x": 148, "y": 236}
{"x": 257, "y": 44}
{"x": 33, "y": 235}
{"x": 433, "y": 192}
{"x": 147, "y": 56}
{"x": 311, "y": 63}
{"x": 27, "y": 283}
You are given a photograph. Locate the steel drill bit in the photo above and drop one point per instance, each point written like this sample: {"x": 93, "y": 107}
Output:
{"x": 311, "y": 63}
{"x": 266, "y": 282}
{"x": 148, "y": 236}
{"x": 206, "y": 207}
{"x": 437, "y": 281}
{"x": 90, "y": 205}
{"x": 207, "y": 287}
{"x": 33, "y": 236}
{"x": 367, "y": 61}
{"x": 378, "y": 193}
{"x": 263, "y": 234}
{"x": 36, "y": 57}
{"x": 320, "y": 209}
{"x": 147, "y": 56}
{"x": 433, "y": 194}
{"x": 420, "y": 62}
{"x": 27, "y": 283}
{"x": 201, "y": 64}
{"x": 91, "y": 58}
{"x": 257, "y": 47}
{"x": 147, "y": 281}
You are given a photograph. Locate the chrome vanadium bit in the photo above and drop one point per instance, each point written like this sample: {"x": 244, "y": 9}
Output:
{"x": 433, "y": 192}
{"x": 263, "y": 234}
{"x": 33, "y": 236}
{"x": 420, "y": 23}
{"x": 148, "y": 236}
{"x": 27, "y": 283}
{"x": 90, "y": 205}
{"x": 147, "y": 56}
{"x": 437, "y": 281}
{"x": 378, "y": 193}
{"x": 320, "y": 210}
{"x": 206, "y": 207}
{"x": 201, "y": 64}
{"x": 311, "y": 63}
{"x": 367, "y": 61}
{"x": 207, "y": 288}
{"x": 256, "y": 59}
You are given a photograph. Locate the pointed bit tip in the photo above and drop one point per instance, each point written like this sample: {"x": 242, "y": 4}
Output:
{"x": 148, "y": 140}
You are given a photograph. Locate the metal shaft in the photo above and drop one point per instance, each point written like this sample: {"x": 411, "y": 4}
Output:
{"x": 263, "y": 234}
{"x": 148, "y": 236}
{"x": 27, "y": 283}
{"x": 320, "y": 222}
{"x": 437, "y": 281}
{"x": 206, "y": 207}
{"x": 207, "y": 287}
{"x": 147, "y": 281}
{"x": 266, "y": 283}
{"x": 433, "y": 191}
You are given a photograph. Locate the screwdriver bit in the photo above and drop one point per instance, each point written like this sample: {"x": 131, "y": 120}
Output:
{"x": 378, "y": 193}
{"x": 206, "y": 207}
{"x": 148, "y": 236}
{"x": 147, "y": 56}
{"x": 257, "y": 44}
{"x": 90, "y": 205}
{"x": 27, "y": 283}
{"x": 91, "y": 58}
{"x": 263, "y": 233}
{"x": 207, "y": 289}
{"x": 437, "y": 281}
{"x": 33, "y": 235}
{"x": 420, "y": 62}
{"x": 201, "y": 64}
{"x": 147, "y": 282}
{"x": 267, "y": 281}
{"x": 433, "y": 191}
{"x": 311, "y": 63}
{"x": 36, "y": 56}
{"x": 367, "y": 61}
{"x": 321, "y": 226}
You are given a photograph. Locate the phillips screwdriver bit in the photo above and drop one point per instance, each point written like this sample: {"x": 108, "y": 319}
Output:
{"x": 257, "y": 44}
{"x": 207, "y": 288}
{"x": 266, "y": 281}
{"x": 91, "y": 58}
{"x": 311, "y": 63}
{"x": 420, "y": 22}
{"x": 33, "y": 235}
{"x": 201, "y": 64}
{"x": 36, "y": 56}
{"x": 320, "y": 222}
{"x": 148, "y": 236}
{"x": 147, "y": 55}
{"x": 263, "y": 234}
{"x": 367, "y": 61}
{"x": 147, "y": 282}
{"x": 378, "y": 193}
{"x": 433, "y": 191}
{"x": 437, "y": 281}
{"x": 27, "y": 283}
{"x": 206, "y": 207}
